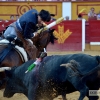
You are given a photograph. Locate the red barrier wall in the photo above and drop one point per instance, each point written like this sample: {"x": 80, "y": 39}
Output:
{"x": 69, "y": 34}
{"x": 94, "y": 31}
{"x": 4, "y": 24}
{"x": 87, "y": 30}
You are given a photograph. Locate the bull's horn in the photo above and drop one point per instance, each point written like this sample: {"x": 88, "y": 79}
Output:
{"x": 2, "y": 69}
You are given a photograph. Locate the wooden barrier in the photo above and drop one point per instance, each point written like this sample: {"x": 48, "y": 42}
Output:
{"x": 4, "y": 24}
{"x": 69, "y": 34}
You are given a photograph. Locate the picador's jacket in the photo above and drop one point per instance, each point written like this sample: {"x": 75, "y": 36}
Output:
{"x": 26, "y": 24}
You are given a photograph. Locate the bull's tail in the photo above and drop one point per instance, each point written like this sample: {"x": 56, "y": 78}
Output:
{"x": 98, "y": 59}
{"x": 90, "y": 72}
{"x": 73, "y": 65}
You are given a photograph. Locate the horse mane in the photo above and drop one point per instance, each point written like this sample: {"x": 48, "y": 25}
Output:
{"x": 52, "y": 37}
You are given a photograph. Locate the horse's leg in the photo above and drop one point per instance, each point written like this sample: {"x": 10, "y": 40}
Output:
{"x": 34, "y": 52}
{"x": 31, "y": 50}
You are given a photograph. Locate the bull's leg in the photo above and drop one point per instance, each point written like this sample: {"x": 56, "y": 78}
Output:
{"x": 74, "y": 78}
{"x": 32, "y": 92}
{"x": 81, "y": 87}
{"x": 64, "y": 96}
{"x": 83, "y": 92}
{"x": 33, "y": 87}
{"x": 93, "y": 97}
{"x": 93, "y": 86}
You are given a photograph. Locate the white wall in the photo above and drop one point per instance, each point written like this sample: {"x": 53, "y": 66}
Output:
{"x": 66, "y": 9}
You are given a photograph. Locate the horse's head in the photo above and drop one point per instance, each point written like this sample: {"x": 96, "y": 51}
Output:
{"x": 43, "y": 39}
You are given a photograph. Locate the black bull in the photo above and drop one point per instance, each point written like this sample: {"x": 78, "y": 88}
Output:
{"x": 50, "y": 78}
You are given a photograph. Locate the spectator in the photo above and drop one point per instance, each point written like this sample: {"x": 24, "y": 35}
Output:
{"x": 98, "y": 16}
{"x": 1, "y": 20}
{"x": 67, "y": 18}
{"x": 79, "y": 17}
{"x": 92, "y": 14}
{"x": 12, "y": 17}
{"x": 17, "y": 16}
{"x": 52, "y": 17}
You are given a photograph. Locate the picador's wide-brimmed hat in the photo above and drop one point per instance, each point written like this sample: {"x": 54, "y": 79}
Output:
{"x": 45, "y": 15}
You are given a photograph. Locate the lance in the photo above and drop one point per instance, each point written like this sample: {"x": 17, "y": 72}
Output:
{"x": 51, "y": 24}
{"x": 45, "y": 28}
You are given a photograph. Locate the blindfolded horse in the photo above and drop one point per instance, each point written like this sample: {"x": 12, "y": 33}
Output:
{"x": 10, "y": 55}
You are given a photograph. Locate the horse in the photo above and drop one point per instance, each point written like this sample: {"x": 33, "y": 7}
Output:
{"x": 13, "y": 58}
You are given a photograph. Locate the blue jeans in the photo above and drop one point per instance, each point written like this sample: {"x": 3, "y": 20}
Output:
{"x": 10, "y": 31}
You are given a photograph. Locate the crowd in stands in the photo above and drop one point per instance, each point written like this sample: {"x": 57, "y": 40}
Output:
{"x": 49, "y": 0}
{"x": 4, "y": 23}
{"x": 91, "y": 15}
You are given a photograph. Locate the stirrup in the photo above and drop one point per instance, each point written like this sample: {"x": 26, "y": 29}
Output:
{"x": 14, "y": 40}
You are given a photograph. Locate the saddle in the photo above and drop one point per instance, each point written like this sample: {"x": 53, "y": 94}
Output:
{"x": 28, "y": 46}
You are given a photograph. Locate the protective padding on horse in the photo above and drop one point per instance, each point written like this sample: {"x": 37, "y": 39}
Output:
{"x": 20, "y": 50}
{"x": 23, "y": 52}
{"x": 4, "y": 41}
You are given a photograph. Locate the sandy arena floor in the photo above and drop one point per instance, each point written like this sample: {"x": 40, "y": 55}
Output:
{"x": 72, "y": 96}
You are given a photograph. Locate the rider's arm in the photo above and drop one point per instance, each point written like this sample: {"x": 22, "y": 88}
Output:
{"x": 30, "y": 28}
